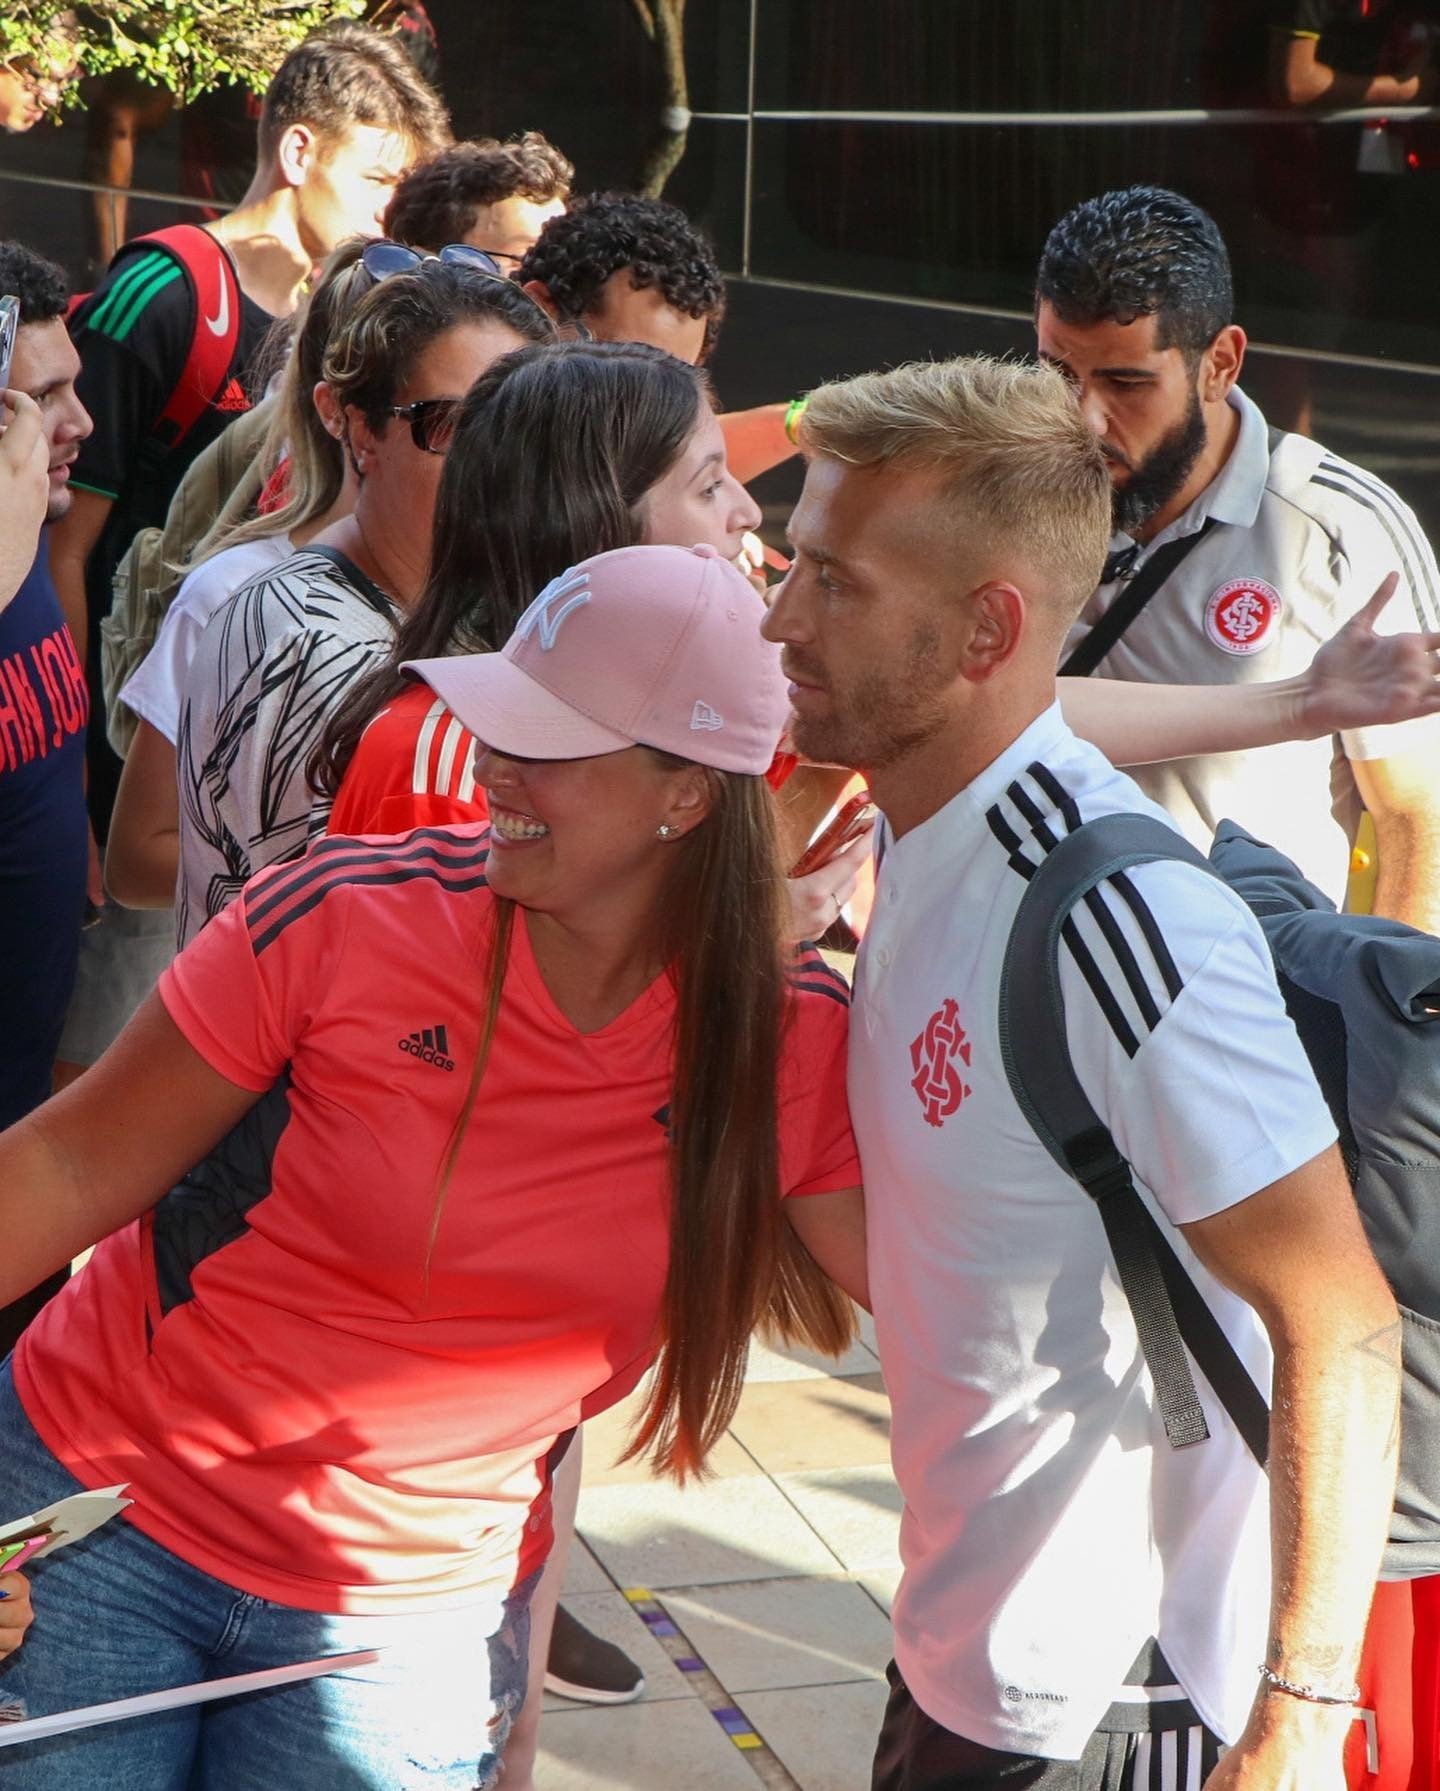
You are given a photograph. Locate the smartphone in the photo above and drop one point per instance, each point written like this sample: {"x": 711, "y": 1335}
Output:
{"x": 9, "y": 324}
{"x": 849, "y": 823}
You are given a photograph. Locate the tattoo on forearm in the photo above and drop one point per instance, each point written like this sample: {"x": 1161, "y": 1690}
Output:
{"x": 1315, "y": 1662}
{"x": 1384, "y": 1346}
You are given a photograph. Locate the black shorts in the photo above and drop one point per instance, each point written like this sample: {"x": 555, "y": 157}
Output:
{"x": 1161, "y": 1746}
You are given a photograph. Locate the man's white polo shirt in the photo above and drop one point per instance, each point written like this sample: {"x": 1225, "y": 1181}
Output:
{"x": 1300, "y": 543}
{"x": 1049, "y": 1530}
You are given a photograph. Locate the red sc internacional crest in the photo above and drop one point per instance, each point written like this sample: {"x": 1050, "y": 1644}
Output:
{"x": 1240, "y": 617}
{"x": 933, "y": 1057}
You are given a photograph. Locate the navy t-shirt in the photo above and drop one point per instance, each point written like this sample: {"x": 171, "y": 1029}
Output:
{"x": 43, "y": 841}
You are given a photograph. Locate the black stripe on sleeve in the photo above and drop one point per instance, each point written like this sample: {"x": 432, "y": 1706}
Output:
{"x": 1099, "y": 911}
{"x": 336, "y": 854}
{"x": 385, "y": 872}
{"x": 1411, "y": 548}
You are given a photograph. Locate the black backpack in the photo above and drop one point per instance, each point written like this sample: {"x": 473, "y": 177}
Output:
{"x": 1364, "y": 994}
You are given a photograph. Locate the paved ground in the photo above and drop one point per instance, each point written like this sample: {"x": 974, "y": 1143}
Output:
{"x": 757, "y": 1602}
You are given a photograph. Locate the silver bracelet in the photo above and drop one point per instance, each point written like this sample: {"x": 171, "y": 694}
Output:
{"x": 1310, "y": 1694}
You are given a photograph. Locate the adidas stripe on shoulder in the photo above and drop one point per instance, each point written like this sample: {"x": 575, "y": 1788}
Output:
{"x": 1128, "y": 968}
{"x": 1397, "y": 522}
{"x": 811, "y": 974}
{"x": 446, "y": 856}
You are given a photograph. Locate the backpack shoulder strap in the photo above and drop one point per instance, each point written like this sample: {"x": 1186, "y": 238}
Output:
{"x": 1168, "y": 1309}
{"x": 1128, "y": 605}
{"x": 211, "y": 354}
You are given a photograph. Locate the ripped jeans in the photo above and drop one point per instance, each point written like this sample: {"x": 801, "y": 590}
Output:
{"x": 117, "y": 1615}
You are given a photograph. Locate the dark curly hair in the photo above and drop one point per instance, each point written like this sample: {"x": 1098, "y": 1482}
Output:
{"x": 604, "y": 232}
{"x": 438, "y": 201}
{"x": 40, "y": 286}
{"x": 1140, "y": 252}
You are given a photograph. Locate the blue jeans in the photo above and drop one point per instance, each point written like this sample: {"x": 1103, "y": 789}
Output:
{"x": 117, "y": 1615}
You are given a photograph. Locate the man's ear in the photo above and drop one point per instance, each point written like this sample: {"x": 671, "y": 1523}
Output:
{"x": 295, "y": 154}
{"x": 540, "y": 292}
{"x": 997, "y": 618}
{"x": 1221, "y": 363}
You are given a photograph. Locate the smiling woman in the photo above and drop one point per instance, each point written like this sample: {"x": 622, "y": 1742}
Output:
{"x": 612, "y": 989}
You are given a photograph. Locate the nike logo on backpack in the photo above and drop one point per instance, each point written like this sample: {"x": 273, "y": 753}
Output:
{"x": 219, "y": 324}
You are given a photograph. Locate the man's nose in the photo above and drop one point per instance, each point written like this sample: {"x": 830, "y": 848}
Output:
{"x": 1093, "y": 410}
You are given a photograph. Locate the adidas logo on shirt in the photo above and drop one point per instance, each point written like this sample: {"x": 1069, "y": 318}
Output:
{"x": 432, "y": 1045}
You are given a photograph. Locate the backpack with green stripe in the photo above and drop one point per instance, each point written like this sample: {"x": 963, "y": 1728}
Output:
{"x": 147, "y": 578}
{"x": 183, "y": 252}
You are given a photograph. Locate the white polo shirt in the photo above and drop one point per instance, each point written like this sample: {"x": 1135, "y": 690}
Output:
{"x": 1302, "y": 540}
{"x": 1049, "y": 1529}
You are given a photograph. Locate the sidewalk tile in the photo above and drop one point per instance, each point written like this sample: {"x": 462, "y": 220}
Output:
{"x": 825, "y": 1735}
{"x": 607, "y": 1436}
{"x": 583, "y": 1573}
{"x": 880, "y": 1583}
{"x": 612, "y": 1617}
{"x": 771, "y": 1364}
{"x": 776, "y": 1633}
{"x": 792, "y": 1426}
{"x": 640, "y": 1747}
{"x": 856, "y": 1510}
{"x": 659, "y": 1534}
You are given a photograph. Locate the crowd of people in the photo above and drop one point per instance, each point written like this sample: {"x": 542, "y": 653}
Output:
{"x": 404, "y": 742}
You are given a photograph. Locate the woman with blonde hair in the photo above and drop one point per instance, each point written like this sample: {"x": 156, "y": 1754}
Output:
{"x": 302, "y": 464}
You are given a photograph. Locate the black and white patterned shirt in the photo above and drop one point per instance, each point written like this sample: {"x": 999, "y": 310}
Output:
{"x": 272, "y": 664}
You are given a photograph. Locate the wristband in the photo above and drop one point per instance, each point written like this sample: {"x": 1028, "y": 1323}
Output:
{"x": 1309, "y": 1694}
{"x": 794, "y": 410}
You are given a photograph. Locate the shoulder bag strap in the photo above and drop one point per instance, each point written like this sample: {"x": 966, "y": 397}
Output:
{"x": 1168, "y": 1309}
{"x": 216, "y": 293}
{"x": 1128, "y": 605}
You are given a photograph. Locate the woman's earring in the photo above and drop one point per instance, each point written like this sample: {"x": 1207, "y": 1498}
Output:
{"x": 665, "y": 831}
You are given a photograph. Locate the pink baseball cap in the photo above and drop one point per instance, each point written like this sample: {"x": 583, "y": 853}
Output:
{"x": 648, "y": 646}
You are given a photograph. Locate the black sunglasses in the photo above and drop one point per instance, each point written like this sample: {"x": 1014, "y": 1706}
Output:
{"x": 431, "y": 420}
{"x": 383, "y": 258}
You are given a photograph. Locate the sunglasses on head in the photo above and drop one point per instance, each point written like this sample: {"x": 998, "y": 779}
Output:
{"x": 383, "y": 258}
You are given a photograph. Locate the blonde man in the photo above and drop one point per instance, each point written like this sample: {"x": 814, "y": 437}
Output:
{"x": 1074, "y": 1591}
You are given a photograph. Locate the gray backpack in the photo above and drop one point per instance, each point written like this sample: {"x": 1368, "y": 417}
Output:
{"x": 1364, "y": 994}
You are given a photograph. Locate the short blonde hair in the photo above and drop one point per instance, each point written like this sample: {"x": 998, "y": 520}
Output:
{"x": 1016, "y": 462}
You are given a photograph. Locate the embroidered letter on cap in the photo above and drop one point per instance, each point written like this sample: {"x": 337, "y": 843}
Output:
{"x": 569, "y": 591}
{"x": 702, "y": 716}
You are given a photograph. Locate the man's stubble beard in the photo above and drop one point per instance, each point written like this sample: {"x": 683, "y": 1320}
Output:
{"x": 884, "y": 718}
{"x": 1162, "y": 473}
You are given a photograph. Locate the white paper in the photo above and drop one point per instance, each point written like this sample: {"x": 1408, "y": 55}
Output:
{"x": 70, "y": 1519}
{"x": 63, "y": 1721}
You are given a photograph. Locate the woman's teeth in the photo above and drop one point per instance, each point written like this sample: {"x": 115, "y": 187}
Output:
{"x": 511, "y": 826}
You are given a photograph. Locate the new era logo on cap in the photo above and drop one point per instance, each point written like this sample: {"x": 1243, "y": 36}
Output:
{"x": 702, "y": 716}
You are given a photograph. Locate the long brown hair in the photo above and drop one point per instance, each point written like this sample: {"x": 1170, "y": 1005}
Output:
{"x": 555, "y": 450}
{"x": 735, "y": 1264}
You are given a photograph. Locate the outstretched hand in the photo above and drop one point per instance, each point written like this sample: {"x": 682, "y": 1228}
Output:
{"x": 1362, "y": 679}
{"x": 24, "y": 489}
